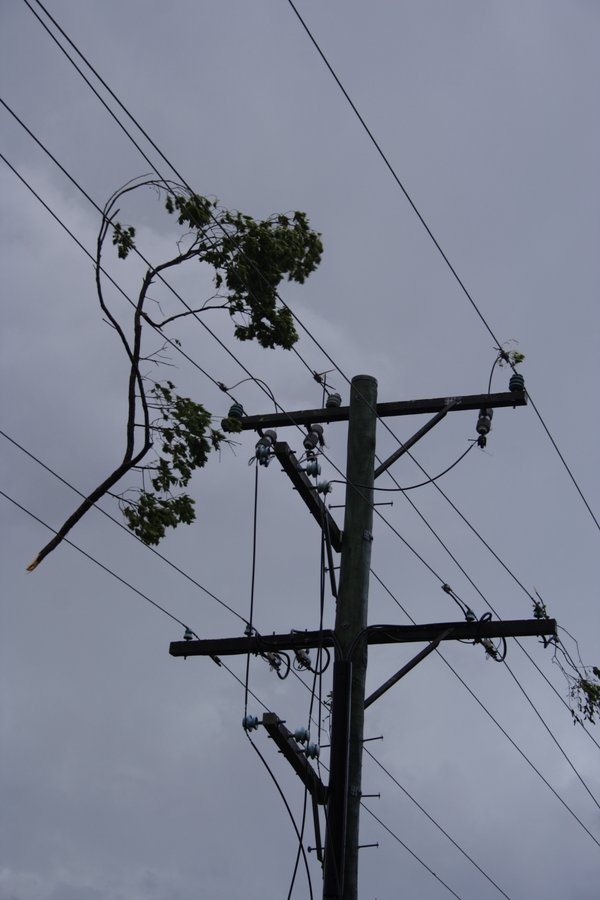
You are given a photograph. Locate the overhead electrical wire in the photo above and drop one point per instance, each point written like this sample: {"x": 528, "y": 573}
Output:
{"x": 173, "y": 168}
{"x": 436, "y": 823}
{"x": 97, "y": 562}
{"x": 437, "y": 245}
{"x": 202, "y": 323}
{"x": 547, "y": 727}
{"x": 181, "y": 623}
{"x": 491, "y": 607}
{"x": 124, "y": 528}
{"x": 244, "y": 368}
{"x": 146, "y": 135}
{"x": 492, "y": 717}
{"x": 408, "y": 850}
{"x": 259, "y": 382}
{"x": 389, "y": 524}
{"x": 170, "y": 615}
{"x": 107, "y": 275}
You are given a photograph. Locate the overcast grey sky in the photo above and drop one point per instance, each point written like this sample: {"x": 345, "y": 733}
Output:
{"x": 126, "y": 774}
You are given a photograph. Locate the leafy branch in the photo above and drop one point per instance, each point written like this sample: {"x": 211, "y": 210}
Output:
{"x": 249, "y": 259}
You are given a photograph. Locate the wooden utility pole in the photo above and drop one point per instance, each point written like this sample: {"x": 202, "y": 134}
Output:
{"x": 352, "y": 634}
{"x": 341, "y": 851}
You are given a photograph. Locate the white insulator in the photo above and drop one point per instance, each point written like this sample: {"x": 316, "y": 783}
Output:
{"x": 324, "y": 487}
{"x": 313, "y": 751}
{"x": 333, "y": 401}
{"x": 301, "y": 735}
{"x": 250, "y": 723}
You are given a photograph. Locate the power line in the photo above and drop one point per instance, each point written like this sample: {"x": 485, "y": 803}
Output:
{"x": 155, "y": 147}
{"x": 173, "y": 168}
{"x": 408, "y": 850}
{"x": 123, "y": 527}
{"x": 146, "y": 135}
{"x": 494, "y": 720}
{"x": 437, "y": 824}
{"x": 547, "y": 727}
{"x": 97, "y": 562}
{"x": 436, "y": 243}
{"x": 244, "y": 368}
{"x": 438, "y": 576}
{"x": 57, "y": 219}
{"x": 180, "y": 622}
{"x": 490, "y": 606}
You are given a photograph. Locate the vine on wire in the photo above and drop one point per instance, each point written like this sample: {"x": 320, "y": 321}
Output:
{"x": 583, "y": 681}
{"x": 246, "y": 259}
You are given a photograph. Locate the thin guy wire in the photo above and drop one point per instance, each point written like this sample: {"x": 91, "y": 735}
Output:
{"x": 437, "y": 245}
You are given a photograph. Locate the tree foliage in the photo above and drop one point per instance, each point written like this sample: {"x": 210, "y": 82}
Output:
{"x": 248, "y": 259}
